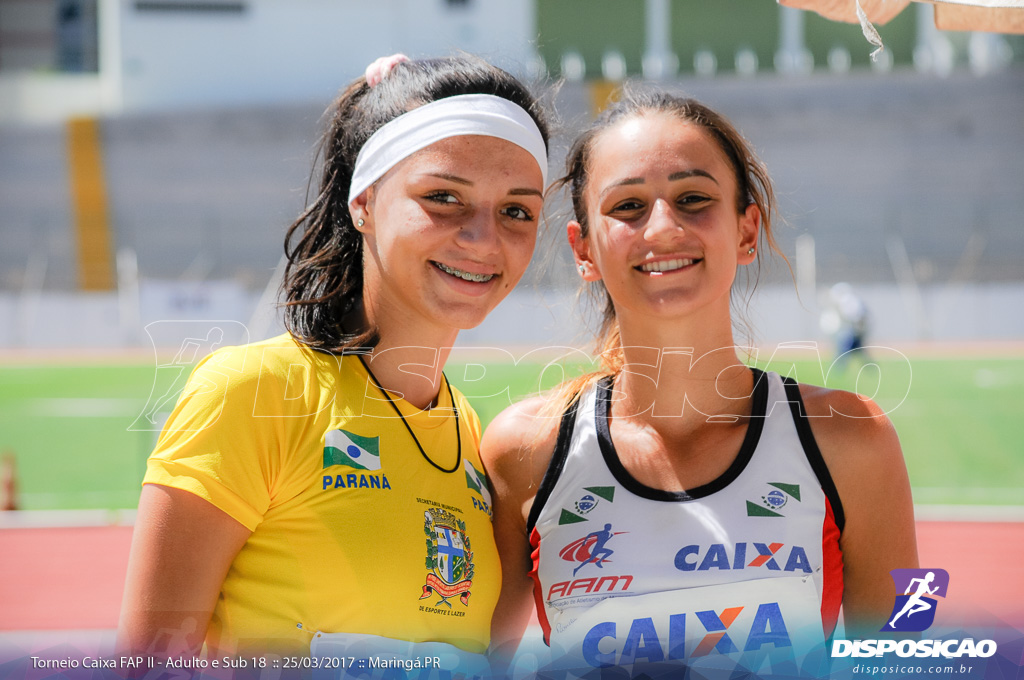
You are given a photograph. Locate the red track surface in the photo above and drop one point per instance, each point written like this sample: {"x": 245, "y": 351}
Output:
{"x": 71, "y": 579}
{"x": 62, "y": 578}
{"x": 985, "y": 561}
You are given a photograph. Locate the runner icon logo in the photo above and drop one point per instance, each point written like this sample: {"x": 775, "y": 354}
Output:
{"x": 913, "y": 612}
{"x": 591, "y": 549}
{"x": 914, "y": 609}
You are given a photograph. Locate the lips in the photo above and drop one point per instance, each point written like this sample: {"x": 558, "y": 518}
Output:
{"x": 464, "y": 275}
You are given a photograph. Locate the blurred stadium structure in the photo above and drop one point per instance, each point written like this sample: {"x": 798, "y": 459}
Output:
{"x": 178, "y": 136}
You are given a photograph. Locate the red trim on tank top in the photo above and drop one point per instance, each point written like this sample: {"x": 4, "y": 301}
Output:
{"x": 832, "y": 572}
{"x": 538, "y": 590}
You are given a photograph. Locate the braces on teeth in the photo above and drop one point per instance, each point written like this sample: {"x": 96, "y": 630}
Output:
{"x": 466, "y": 276}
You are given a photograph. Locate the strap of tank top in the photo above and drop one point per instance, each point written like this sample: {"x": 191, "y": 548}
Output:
{"x": 554, "y": 471}
{"x": 811, "y": 450}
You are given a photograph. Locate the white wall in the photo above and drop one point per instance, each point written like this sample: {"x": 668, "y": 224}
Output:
{"x": 278, "y": 51}
{"x": 52, "y": 97}
{"x": 272, "y": 52}
{"x": 48, "y": 96}
{"x": 501, "y": 31}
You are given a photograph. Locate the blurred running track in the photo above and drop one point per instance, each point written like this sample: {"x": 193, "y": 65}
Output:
{"x": 71, "y": 578}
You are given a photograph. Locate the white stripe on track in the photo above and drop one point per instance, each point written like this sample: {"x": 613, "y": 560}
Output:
{"x": 969, "y": 513}
{"x": 48, "y": 519}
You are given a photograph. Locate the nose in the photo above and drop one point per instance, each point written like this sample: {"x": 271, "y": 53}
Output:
{"x": 663, "y": 222}
{"x": 478, "y": 233}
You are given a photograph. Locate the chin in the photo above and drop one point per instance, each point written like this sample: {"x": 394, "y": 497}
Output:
{"x": 463, "y": 319}
{"x": 469, "y": 322}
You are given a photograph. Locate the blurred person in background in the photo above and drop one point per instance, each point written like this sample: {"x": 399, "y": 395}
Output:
{"x": 733, "y": 499}
{"x": 322, "y": 492}
{"x": 846, "y": 319}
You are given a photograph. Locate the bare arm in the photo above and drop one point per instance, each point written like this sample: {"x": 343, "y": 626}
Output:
{"x": 863, "y": 454}
{"x": 181, "y": 549}
{"x": 516, "y": 449}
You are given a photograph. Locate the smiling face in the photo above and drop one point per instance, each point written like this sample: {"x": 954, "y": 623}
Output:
{"x": 448, "y": 232}
{"x": 664, "y": 232}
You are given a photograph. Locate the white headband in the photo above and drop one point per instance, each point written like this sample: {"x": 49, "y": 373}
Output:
{"x": 466, "y": 114}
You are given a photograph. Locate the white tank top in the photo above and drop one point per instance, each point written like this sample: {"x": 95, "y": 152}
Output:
{"x": 740, "y": 570}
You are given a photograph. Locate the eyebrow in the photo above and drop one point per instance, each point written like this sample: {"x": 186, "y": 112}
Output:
{"x": 526, "y": 191}
{"x": 696, "y": 172}
{"x": 682, "y": 174}
{"x": 451, "y": 178}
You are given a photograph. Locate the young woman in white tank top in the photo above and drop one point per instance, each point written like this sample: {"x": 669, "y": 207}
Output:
{"x": 676, "y": 507}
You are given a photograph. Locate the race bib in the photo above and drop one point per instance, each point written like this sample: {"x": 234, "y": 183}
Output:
{"x": 760, "y": 626}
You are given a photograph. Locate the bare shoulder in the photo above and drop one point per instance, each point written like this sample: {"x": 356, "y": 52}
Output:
{"x": 864, "y": 459}
{"x": 518, "y": 423}
{"x": 851, "y": 430}
{"x": 517, "y": 447}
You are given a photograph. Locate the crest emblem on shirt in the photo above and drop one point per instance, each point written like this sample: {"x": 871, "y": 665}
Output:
{"x": 449, "y": 558}
{"x": 773, "y": 500}
{"x": 591, "y": 497}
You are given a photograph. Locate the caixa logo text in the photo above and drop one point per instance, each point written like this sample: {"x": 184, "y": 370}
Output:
{"x": 949, "y": 649}
{"x": 711, "y": 633}
{"x": 770, "y": 556}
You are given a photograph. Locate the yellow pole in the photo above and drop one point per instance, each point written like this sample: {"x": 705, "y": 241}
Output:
{"x": 89, "y": 206}
{"x": 602, "y": 93}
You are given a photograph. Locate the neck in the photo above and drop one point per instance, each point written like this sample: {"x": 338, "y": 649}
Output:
{"x": 411, "y": 373}
{"x": 408, "y": 359}
{"x": 677, "y": 374}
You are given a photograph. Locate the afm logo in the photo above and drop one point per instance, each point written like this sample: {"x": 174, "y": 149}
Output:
{"x": 591, "y": 549}
{"x": 914, "y": 610}
{"x": 588, "y": 586}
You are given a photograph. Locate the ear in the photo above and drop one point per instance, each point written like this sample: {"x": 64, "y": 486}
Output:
{"x": 749, "y": 230}
{"x": 361, "y": 208}
{"x": 581, "y": 252}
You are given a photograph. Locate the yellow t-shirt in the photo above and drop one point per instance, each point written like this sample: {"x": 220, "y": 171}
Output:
{"x": 353, "y": 530}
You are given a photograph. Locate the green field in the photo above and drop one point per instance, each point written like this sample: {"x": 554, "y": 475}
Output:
{"x": 76, "y": 434}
